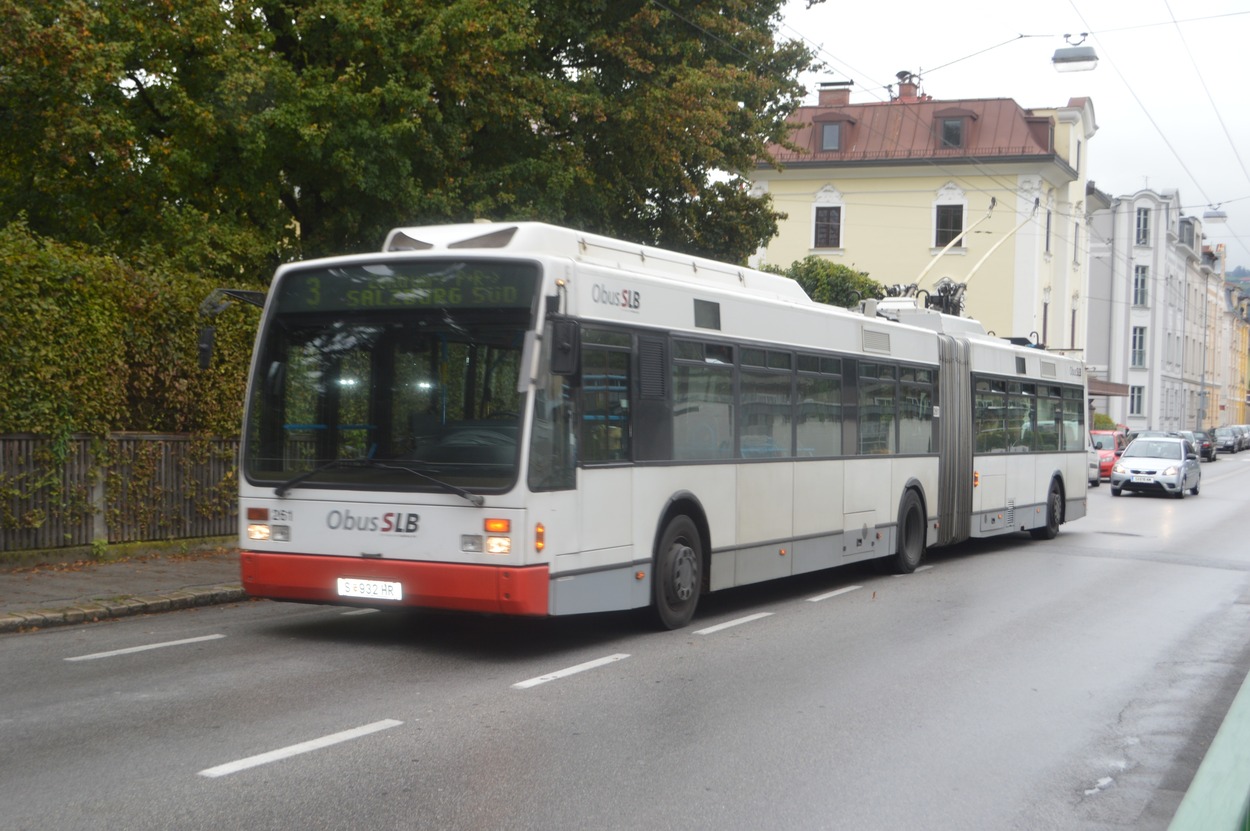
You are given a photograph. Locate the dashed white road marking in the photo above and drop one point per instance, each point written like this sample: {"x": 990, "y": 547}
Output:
{"x": 738, "y": 622}
{"x": 564, "y": 673}
{"x": 114, "y": 652}
{"x": 296, "y": 749}
{"x": 835, "y": 593}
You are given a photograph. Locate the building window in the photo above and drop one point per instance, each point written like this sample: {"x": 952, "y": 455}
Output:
{"x": 952, "y": 132}
{"x": 1137, "y": 348}
{"x": 828, "y": 227}
{"x": 1076, "y": 243}
{"x": 949, "y": 222}
{"x": 1142, "y": 236}
{"x": 1136, "y": 401}
{"x": 831, "y": 136}
{"x": 1141, "y": 285}
{"x": 1048, "y": 231}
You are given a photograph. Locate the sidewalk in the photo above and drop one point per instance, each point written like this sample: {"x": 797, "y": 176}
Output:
{"x": 33, "y": 597}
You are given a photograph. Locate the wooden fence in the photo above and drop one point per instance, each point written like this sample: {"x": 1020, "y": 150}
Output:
{"x": 124, "y": 487}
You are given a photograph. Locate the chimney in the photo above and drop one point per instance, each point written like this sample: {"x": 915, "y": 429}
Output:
{"x": 835, "y": 93}
{"x": 908, "y": 85}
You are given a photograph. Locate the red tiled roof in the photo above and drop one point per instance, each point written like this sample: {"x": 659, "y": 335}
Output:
{"x": 911, "y": 129}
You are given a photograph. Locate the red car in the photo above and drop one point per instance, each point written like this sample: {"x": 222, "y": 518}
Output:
{"x": 1110, "y": 444}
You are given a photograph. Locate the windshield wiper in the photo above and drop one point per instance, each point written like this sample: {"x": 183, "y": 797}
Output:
{"x": 475, "y": 498}
{"x": 285, "y": 487}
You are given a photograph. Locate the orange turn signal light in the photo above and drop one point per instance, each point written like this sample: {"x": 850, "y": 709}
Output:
{"x": 498, "y": 526}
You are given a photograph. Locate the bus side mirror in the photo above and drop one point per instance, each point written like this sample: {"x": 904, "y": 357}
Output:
{"x": 207, "y": 335}
{"x": 566, "y": 342}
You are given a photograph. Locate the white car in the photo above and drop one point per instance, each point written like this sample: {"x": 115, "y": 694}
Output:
{"x": 1095, "y": 471}
{"x": 1164, "y": 465}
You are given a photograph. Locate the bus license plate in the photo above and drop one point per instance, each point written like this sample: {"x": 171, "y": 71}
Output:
{"x": 370, "y": 589}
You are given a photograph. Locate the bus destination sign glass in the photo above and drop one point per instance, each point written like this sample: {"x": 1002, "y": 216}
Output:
{"x": 429, "y": 284}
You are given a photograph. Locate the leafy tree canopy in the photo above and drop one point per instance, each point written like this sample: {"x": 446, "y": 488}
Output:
{"x": 829, "y": 282}
{"x": 225, "y": 137}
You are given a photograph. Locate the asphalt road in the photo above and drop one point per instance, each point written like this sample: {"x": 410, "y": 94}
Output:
{"x": 1012, "y": 684}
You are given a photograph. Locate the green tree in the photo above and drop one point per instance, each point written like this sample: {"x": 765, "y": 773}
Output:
{"x": 226, "y": 137}
{"x": 832, "y": 283}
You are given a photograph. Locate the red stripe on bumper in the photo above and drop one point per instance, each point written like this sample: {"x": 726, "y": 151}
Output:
{"x": 503, "y": 590}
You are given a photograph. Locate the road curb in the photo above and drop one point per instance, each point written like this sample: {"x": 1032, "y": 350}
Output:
{"x": 91, "y": 611}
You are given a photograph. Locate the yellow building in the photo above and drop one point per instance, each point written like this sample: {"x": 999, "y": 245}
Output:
{"x": 885, "y": 186}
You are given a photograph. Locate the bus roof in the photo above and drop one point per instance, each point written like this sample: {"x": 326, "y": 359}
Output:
{"x": 592, "y": 248}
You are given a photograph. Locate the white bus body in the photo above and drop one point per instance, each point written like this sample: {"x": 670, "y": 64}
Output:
{"x": 526, "y": 419}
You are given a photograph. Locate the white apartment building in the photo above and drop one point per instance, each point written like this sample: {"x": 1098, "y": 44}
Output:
{"x": 1156, "y": 304}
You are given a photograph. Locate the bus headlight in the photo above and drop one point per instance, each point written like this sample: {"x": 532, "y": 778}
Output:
{"x": 499, "y": 545}
{"x": 258, "y": 532}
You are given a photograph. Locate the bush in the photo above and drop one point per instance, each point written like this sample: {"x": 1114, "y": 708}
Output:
{"x": 91, "y": 344}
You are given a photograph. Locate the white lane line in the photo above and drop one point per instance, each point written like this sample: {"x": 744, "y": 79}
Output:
{"x": 564, "y": 673}
{"x": 131, "y": 649}
{"x": 297, "y": 749}
{"x": 727, "y": 624}
{"x": 828, "y": 595}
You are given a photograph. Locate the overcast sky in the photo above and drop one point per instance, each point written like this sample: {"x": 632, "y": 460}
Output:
{"x": 1169, "y": 92}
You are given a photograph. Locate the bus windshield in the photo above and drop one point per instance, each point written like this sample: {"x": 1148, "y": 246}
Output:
{"x": 401, "y": 376}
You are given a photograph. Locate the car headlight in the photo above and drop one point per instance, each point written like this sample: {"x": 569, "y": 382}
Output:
{"x": 1171, "y": 471}
{"x": 1119, "y": 468}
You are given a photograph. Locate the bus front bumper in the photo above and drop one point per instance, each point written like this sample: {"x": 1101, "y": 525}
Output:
{"x": 469, "y": 588}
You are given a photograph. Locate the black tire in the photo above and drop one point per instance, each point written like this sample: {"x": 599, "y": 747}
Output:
{"x": 1194, "y": 489}
{"x": 910, "y": 551}
{"x": 1115, "y": 491}
{"x": 1054, "y": 513}
{"x": 677, "y": 576}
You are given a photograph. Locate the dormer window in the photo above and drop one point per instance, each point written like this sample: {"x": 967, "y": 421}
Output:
{"x": 952, "y": 132}
{"x": 833, "y": 131}
{"x": 831, "y": 136}
{"x": 953, "y": 126}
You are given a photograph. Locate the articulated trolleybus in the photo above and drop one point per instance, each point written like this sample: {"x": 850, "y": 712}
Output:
{"x": 524, "y": 419}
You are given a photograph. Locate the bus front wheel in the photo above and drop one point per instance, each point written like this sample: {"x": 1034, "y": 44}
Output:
{"x": 677, "y": 577}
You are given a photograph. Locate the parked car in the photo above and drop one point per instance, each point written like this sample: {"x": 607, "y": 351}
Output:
{"x": 1157, "y": 464}
{"x": 1243, "y": 432}
{"x": 1110, "y": 444}
{"x": 1225, "y": 438}
{"x": 1094, "y": 472}
{"x": 1207, "y": 451}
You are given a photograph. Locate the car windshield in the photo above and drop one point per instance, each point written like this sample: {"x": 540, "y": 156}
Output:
{"x": 1155, "y": 449}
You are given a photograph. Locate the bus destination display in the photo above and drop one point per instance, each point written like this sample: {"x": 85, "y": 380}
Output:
{"x": 426, "y": 285}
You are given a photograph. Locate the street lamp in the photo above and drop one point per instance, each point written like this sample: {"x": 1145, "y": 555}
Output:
{"x": 1215, "y": 215}
{"x": 1074, "y": 57}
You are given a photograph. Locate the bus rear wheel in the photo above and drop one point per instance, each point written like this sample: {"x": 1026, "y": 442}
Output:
{"x": 1054, "y": 514}
{"x": 909, "y": 553}
{"x": 677, "y": 577}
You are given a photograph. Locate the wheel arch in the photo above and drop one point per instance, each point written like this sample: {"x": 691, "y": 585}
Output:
{"x": 685, "y": 502}
{"x": 915, "y": 485}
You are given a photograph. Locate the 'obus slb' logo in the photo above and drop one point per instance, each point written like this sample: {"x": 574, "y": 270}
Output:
{"x": 391, "y": 522}
{"x": 624, "y": 298}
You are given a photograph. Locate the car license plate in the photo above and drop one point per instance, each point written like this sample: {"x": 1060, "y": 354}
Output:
{"x": 1144, "y": 479}
{"x": 370, "y": 589}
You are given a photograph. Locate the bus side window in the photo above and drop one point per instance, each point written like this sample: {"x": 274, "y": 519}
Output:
{"x": 605, "y": 406}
